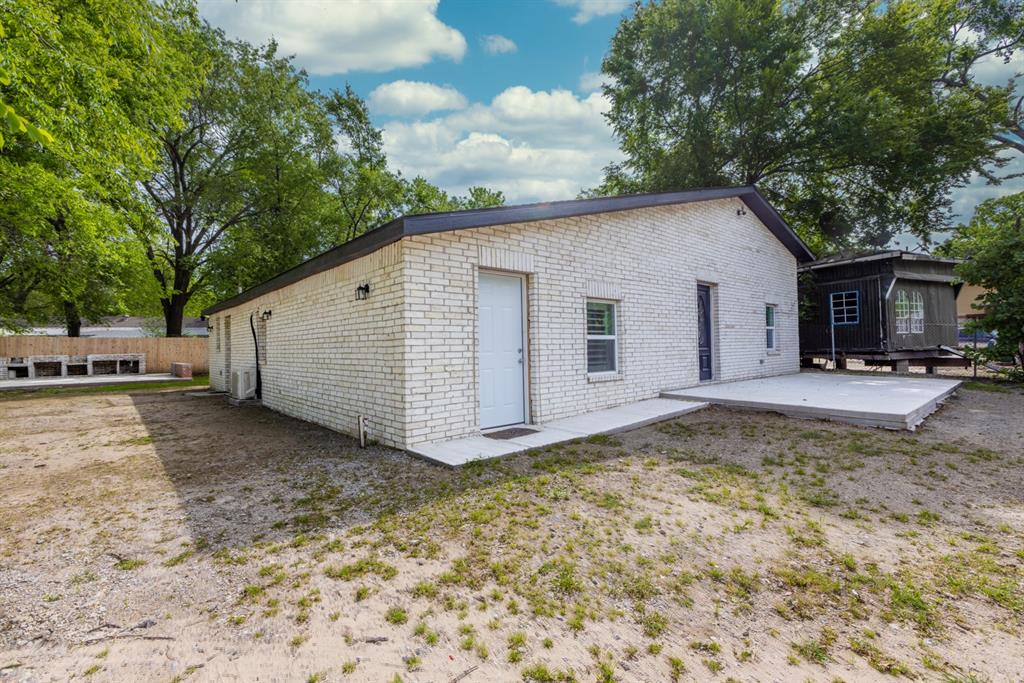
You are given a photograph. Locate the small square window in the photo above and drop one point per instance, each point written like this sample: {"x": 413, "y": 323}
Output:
{"x": 602, "y": 340}
{"x": 845, "y": 308}
{"x": 771, "y": 338}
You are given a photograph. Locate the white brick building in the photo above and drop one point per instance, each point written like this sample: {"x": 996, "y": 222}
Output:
{"x": 437, "y": 326}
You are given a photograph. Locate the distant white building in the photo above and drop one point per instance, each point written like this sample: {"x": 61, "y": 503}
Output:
{"x": 124, "y": 326}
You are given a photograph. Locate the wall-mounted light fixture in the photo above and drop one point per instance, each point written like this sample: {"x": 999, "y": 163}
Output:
{"x": 265, "y": 315}
{"x": 363, "y": 292}
{"x": 741, "y": 211}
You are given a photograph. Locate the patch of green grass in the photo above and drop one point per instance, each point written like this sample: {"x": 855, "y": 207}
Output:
{"x": 179, "y": 558}
{"x": 133, "y": 387}
{"x": 676, "y": 668}
{"x": 516, "y": 646}
{"x": 644, "y": 525}
{"x": 878, "y": 660}
{"x": 709, "y": 647}
{"x": 252, "y": 591}
{"x": 603, "y": 440}
{"x": 396, "y": 616}
{"x": 360, "y": 568}
{"x": 127, "y": 564}
{"x": 425, "y": 589}
{"x": 539, "y": 673}
{"x": 987, "y": 386}
{"x": 653, "y": 623}
{"x": 816, "y": 650}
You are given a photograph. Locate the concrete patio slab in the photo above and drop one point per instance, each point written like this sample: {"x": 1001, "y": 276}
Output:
{"x": 888, "y": 402}
{"x": 87, "y": 381}
{"x": 609, "y": 421}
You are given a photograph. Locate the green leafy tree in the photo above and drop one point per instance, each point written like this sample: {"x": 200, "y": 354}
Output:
{"x": 366, "y": 193}
{"x": 992, "y": 246}
{"x": 984, "y": 30}
{"x": 237, "y": 191}
{"x": 81, "y": 85}
{"x": 421, "y": 196}
{"x": 836, "y": 109}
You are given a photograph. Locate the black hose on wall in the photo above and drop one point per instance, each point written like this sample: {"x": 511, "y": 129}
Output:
{"x": 256, "y": 346}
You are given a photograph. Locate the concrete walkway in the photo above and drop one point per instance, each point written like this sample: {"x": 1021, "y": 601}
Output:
{"x": 87, "y": 381}
{"x": 609, "y": 421}
{"x": 876, "y": 401}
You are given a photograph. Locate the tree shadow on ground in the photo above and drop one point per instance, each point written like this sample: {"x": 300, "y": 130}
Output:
{"x": 247, "y": 474}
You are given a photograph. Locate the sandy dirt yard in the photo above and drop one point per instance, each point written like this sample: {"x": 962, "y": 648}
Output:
{"x": 158, "y": 536}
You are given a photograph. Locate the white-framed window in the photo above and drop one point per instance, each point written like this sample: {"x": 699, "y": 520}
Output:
{"x": 902, "y": 313}
{"x": 771, "y": 336}
{"x": 602, "y": 338}
{"x": 845, "y": 307}
{"x": 916, "y": 313}
{"x": 216, "y": 333}
{"x": 909, "y": 313}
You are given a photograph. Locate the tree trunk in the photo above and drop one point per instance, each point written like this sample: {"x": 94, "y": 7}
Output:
{"x": 72, "y": 319}
{"x": 174, "y": 313}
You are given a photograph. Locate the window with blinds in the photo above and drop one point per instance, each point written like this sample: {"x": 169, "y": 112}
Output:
{"x": 602, "y": 340}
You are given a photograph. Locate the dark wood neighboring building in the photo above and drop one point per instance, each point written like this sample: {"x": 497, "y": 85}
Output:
{"x": 892, "y": 308}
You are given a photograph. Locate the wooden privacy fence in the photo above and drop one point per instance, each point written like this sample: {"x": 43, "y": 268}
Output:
{"x": 160, "y": 351}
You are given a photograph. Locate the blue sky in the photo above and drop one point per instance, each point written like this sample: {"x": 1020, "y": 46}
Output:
{"x": 496, "y": 93}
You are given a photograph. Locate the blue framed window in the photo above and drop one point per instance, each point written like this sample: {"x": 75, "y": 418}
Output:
{"x": 845, "y": 308}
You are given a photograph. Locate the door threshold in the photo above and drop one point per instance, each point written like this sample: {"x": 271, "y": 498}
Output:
{"x": 514, "y": 425}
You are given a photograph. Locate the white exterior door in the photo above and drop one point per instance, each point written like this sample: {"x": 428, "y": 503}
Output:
{"x": 502, "y": 356}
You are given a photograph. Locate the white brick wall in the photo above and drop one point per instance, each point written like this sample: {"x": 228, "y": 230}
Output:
{"x": 407, "y": 355}
{"x": 650, "y": 260}
{"x": 330, "y": 358}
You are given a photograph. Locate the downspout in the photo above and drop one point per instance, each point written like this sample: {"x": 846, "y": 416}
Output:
{"x": 883, "y": 314}
{"x": 256, "y": 346}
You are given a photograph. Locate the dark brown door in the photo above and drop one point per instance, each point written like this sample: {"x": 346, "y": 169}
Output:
{"x": 704, "y": 331}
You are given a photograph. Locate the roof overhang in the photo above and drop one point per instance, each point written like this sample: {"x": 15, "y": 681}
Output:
{"x": 423, "y": 224}
{"x": 876, "y": 256}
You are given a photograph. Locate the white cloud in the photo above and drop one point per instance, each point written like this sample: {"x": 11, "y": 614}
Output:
{"x": 590, "y": 9}
{"x": 498, "y": 45}
{"x": 591, "y": 81}
{"x": 532, "y": 145}
{"x": 413, "y": 98}
{"x": 337, "y": 37}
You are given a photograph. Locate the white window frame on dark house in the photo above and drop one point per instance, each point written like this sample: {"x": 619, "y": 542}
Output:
{"x": 902, "y": 307}
{"x": 598, "y": 334}
{"x": 847, "y": 312}
{"x": 916, "y": 313}
{"x": 771, "y": 312}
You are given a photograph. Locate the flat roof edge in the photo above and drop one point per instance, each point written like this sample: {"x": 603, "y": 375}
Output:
{"x": 422, "y": 224}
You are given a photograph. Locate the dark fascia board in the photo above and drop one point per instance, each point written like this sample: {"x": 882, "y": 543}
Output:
{"x": 876, "y": 256}
{"x": 423, "y": 224}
